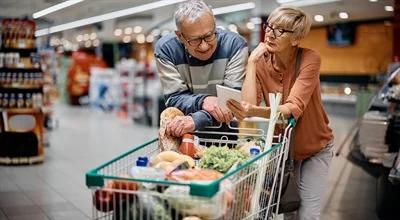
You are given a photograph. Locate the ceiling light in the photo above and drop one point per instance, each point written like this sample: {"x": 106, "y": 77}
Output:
{"x": 256, "y": 20}
{"x": 107, "y": 16}
{"x": 79, "y": 38}
{"x": 126, "y": 39}
{"x": 347, "y": 90}
{"x": 128, "y": 30}
{"x": 300, "y": 3}
{"x": 55, "y": 8}
{"x": 86, "y": 37}
{"x": 156, "y": 32}
{"x": 140, "y": 38}
{"x": 88, "y": 43}
{"x": 388, "y": 8}
{"x": 319, "y": 18}
{"x": 343, "y": 15}
{"x": 118, "y": 32}
{"x": 373, "y": 0}
{"x": 250, "y": 25}
{"x": 233, "y": 28}
{"x": 149, "y": 38}
{"x": 96, "y": 43}
{"x": 93, "y": 36}
{"x": 137, "y": 29}
{"x": 234, "y": 8}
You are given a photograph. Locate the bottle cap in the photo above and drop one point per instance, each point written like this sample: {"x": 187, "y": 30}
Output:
{"x": 254, "y": 151}
{"x": 142, "y": 161}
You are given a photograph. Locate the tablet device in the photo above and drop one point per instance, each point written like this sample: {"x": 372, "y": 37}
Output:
{"x": 225, "y": 93}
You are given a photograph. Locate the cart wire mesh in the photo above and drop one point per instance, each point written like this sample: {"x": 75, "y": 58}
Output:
{"x": 118, "y": 196}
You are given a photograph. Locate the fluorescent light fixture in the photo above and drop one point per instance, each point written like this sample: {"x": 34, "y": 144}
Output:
{"x": 343, "y": 15}
{"x": 234, "y": 8}
{"x": 55, "y": 8}
{"x": 107, "y": 16}
{"x": 300, "y": 3}
{"x": 388, "y": 8}
{"x": 137, "y": 29}
{"x": 250, "y": 25}
{"x": 373, "y": 0}
{"x": 319, "y": 18}
{"x": 117, "y": 32}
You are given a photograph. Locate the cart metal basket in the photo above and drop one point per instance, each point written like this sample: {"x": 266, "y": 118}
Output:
{"x": 117, "y": 196}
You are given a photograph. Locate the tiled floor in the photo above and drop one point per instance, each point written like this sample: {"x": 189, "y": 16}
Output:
{"x": 85, "y": 138}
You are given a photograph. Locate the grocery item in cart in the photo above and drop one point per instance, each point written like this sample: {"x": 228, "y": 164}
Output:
{"x": 103, "y": 198}
{"x": 203, "y": 207}
{"x": 168, "y": 142}
{"x": 221, "y": 158}
{"x": 194, "y": 174}
{"x": 171, "y": 158}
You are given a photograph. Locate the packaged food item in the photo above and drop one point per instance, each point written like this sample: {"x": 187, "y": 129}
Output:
{"x": 142, "y": 171}
{"x": 187, "y": 145}
{"x": 194, "y": 174}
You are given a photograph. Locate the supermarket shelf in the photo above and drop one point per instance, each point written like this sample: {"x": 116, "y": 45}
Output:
{"x": 17, "y": 70}
{"x": 24, "y": 52}
{"x": 21, "y": 110}
{"x": 19, "y": 86}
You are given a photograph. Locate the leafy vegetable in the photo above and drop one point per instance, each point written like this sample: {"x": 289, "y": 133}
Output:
{"x": 221, "y": 158}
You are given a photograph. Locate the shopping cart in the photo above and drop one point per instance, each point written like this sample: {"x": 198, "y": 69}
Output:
{"x": 232, "y": 196}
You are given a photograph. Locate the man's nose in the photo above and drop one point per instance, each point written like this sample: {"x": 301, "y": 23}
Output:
{"x": 204, "y": 45}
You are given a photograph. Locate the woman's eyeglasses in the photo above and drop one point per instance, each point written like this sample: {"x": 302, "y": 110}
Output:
{"x": 197, "y": 41}
{"x": 276, "y": 31}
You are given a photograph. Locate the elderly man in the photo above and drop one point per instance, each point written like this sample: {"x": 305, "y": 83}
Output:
{"x": 193, "y": 61}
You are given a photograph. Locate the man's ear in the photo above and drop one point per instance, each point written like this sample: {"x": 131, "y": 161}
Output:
{"x": 179, "y": 35}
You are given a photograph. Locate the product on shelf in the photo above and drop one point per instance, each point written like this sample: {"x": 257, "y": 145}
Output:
{"x": 18, "y": 33}
{"x": 21, "y": 94}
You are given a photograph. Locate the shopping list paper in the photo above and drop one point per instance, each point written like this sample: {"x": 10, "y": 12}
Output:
{"x": 225, "y": 93}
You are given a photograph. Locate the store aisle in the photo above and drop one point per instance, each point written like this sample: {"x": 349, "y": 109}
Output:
{"x": 56, "y": 189}
{"x": 85, "y": 138}
{"x": 351, "y": 191}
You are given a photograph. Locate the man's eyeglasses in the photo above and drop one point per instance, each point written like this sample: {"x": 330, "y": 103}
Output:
{"x": 197, "y": 41}
{"x": 276, "y": 31}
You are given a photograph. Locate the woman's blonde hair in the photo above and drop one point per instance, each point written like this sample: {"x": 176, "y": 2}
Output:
{"x": 291, "y": 18}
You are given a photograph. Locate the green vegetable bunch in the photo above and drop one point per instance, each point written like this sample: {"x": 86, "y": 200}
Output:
{"x": 221, "y": 158}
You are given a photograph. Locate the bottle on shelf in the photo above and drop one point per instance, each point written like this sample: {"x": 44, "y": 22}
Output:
{"x": 5, "y": 100}
{"x": 12, "y": 102}
{"x": 20, "y": 100}
{"x": 28, "y": 100}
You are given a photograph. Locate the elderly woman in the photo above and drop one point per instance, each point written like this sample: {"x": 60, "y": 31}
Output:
{"x": 271, "y": 68}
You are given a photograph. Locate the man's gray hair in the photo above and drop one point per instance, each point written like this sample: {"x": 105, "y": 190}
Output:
{"x": 190, "y": 11}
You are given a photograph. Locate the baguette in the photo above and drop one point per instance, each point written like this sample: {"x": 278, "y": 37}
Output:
{"x": 167, "y": 142}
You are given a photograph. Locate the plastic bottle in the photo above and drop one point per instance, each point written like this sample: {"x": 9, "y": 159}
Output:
{"x": 254, "y": 151}
{"x": 142, "y": 171}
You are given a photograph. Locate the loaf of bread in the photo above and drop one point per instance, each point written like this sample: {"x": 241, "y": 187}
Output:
{"x": 168, "y": 142}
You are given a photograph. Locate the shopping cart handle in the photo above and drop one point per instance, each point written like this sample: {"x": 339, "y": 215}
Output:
{"x": 255, "y": 119}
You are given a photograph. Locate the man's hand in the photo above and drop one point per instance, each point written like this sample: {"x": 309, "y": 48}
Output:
{"x": 240, "y": 110}
{"x": 179, "y": 126}
{"x": 210, "y": 104}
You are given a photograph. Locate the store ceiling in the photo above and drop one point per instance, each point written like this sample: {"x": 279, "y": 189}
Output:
{"x": 357, "y": 9}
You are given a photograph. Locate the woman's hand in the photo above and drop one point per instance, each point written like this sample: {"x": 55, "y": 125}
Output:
{"x": 258, "y": 52}
{"x": 240, "y": 110}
